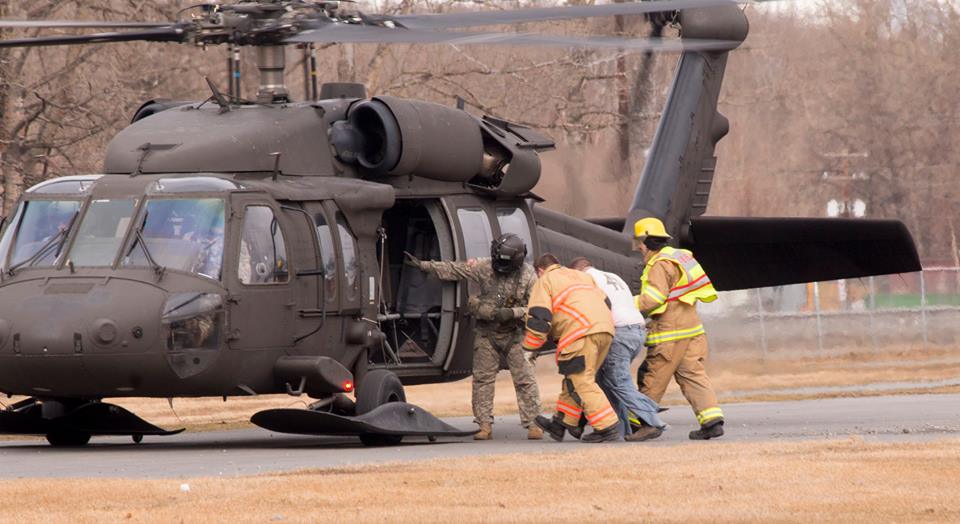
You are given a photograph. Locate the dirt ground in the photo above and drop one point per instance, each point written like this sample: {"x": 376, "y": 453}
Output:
{"x": 836, "y": 481}
{"x": 735, "y": 381}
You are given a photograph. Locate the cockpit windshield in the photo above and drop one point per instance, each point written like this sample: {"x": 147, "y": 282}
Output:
{"x": 180, "y": 233}
{"x": 40, "y": 231}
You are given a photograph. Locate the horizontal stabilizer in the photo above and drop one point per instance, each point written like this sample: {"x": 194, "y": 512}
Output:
{"x": 742, "y": 253}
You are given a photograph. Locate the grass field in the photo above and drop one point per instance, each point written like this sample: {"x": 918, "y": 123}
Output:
{"x": 834, "y": 481}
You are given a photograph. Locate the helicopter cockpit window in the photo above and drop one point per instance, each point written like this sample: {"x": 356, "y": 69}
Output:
{"x": 513, "y": 220}
{"x": 477, "y": 234}
{"x": 180, "y": 233}
{"x": 101, "y": 232}
{"x": 328, "y": 255}
{"x": 64, "y": 185}
{"x": 41, "y": 231}
{"x": 349, "y": 244}
{"x": 263, "y": 252}
{"x": 196, "y": 184}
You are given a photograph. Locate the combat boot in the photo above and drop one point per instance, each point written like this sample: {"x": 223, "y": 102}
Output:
{"x": 485, "y": 433}
{"x": 577, "y": 432}
{"x": 643, "y": 432}
{"x": 611, "y": 434}
{"x": 553, "y": 426}
{"x": 534, "y": 433}
{"x": 710, "y": 430}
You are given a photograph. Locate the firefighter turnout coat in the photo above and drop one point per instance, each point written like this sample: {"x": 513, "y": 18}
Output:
{"x": 672, "y": 284}
{"x": 567, "y": 306}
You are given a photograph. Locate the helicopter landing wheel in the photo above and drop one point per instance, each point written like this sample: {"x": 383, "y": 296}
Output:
{"x": 137, "y": 438}
{"x": 68, "y": 438}
{"x": 379, "y": 387}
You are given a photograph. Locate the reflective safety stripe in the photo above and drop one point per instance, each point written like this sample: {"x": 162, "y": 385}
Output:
{"x": 562, "y": 296}
{"x": 578, "y": 316}
{"x": 560, "y": 306}
{"x": 533, "y": 341}
{"x": 567, "y": 409}
{"x": 570, "y": 338}
{"x": 679, "y": 291}
{"x": 709, "y": 414}
{"x": 652, "y": 292}
{"x": 600, "y": 415}
{"x": 661, "y": 337}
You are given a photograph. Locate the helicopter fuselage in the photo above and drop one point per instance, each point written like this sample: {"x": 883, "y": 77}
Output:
{"x": 165, "y": 283}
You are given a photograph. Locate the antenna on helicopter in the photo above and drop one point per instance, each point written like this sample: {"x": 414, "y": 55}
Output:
{"x": 218, "y": 96}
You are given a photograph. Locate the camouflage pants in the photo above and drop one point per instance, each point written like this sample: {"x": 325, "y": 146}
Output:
{"x": 486, "y": 364}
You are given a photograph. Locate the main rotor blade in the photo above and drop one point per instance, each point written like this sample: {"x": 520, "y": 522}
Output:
{"x": 541, "y": 14}
{"x": 166, "y": 34}
{"x": 373, "y": 34}
{"x": 27, "y": 24}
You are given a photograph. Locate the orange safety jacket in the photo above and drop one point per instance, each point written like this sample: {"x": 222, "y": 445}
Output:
{"x": 565, "y": 305}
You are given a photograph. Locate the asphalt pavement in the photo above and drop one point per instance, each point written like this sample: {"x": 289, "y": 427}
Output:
{"x": 256, "y": 451}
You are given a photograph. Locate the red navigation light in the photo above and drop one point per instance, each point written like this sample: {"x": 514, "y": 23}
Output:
{"x": 347, "y": 386}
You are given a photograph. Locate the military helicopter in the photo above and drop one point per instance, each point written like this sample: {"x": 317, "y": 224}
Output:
{"x": 233, "y": 247}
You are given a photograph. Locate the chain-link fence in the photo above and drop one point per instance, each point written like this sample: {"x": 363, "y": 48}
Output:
{"x": 875, "y": 314}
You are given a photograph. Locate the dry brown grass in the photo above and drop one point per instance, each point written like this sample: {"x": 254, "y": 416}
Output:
{"x": 840, "y": 481}
{"x": 751, "y": 379}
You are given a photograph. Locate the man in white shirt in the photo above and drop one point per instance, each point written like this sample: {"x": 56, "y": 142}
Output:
{"x": 633, "y": 407}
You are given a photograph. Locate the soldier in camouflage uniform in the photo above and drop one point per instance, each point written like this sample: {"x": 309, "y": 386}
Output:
{"x": 499, "y": 308}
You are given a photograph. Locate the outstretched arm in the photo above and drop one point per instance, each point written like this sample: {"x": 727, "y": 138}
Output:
{"x": 470, "y": 269}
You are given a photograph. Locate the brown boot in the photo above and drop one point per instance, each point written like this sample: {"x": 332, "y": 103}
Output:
{"x": 486, "y": 432}
{"x": 534, "y": 432}
{"x": 644, "y": 432}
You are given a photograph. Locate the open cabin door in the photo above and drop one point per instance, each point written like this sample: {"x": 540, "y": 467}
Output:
{"x": 417, "y": 311}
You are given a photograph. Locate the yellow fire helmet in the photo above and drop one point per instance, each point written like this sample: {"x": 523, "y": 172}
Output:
{"x": 649, "y": 227}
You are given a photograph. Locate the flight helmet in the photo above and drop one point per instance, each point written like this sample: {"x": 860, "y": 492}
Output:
{"x": 507, "y": 253}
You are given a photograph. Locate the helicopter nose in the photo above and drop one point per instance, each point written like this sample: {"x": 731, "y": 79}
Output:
{"x": 63, "y": 336}
{"x": 96, "y": 319}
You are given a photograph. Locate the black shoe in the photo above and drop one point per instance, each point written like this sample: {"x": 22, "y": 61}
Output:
{"x": 712, "y": 430}
{"x": 577, "y": 432}
{"x": 611, "y": 434}
{"x": 550, "y": 426}
{"x": 644, "y": 433}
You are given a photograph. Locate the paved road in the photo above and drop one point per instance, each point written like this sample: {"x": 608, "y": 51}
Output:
{"x": 248, "y": 452}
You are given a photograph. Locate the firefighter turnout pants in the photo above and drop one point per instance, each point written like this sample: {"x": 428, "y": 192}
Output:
{"x": 580, "y": 393}
{"x": 682, "y": 360}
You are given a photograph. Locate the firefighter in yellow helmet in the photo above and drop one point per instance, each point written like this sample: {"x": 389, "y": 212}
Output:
{"x": 672, "y": 284}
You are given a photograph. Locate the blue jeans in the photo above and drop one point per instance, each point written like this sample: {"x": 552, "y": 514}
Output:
{"x": 615, "y": 380}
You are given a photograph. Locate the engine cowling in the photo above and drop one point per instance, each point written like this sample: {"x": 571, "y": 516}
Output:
{"x": 395, "y": 136}
{"x": 389, "y": 136}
